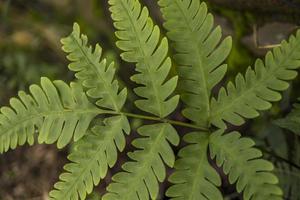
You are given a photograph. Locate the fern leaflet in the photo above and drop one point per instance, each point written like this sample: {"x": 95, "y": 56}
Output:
{"x": 86, "y": 169}
{"x": 291, "y": 121}
{"x": 199, "y": 54}
{"x": 140, "y": 177}
{"x": 139, "y": 40}
{"x": 259, "y": 87}
{"x": 194, "y": 177}
{"x": 56, "y": 110}
{"x": 289, "y": 181}
{"x": 96, "y": 74}
{"x": 244, "y": 166}
{"x": 91, "y": 158}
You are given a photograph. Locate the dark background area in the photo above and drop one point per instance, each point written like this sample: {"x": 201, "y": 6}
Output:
{"x": 30, "y": 32}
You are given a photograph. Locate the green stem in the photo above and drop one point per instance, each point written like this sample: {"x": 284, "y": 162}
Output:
{"x": 174, "y": 122}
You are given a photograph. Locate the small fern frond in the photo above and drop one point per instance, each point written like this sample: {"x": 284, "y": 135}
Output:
{"x": 199, "y": 54}
{"x": 91, "y": 158}
{"x": 194, "y": 177}
{"x": 141, "y": 176}
{"x": 96, "y": 74}
{"x": 140, "y": 41}
{"x": 259, "y": 87}
{"x": 289, "y": 181}
{"x": 243, "y": 165}
{"x": 58, "y": 112}
{"x": 292, "y": 120}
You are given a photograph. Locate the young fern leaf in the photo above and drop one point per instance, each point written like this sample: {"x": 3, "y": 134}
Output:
{"x": 96, "y": 75}
{"x": 291, "y": 121}
{"x": 199, "y": 54}
{"x": 140, "y": 177}
{"x": 100, "y": 148}
{"x": 259, "y": 87}
{"x": 58, "y": 112}
{"x": 243, "y": 165}
{"x": 140, "y": 41}
{"x": 194, "y": 177}
{"x": 91, "y": 158}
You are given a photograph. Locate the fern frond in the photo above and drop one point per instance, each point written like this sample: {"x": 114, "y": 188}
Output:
{"x": 243, "y": 165}
{"x": 96, "y": 74}
{"x": 292, "y": 120}
{"x": 140, "y": 41}
{"x": 194, "y": 177}
{"x": 289, "y": 181}
{"x": 99, "y": 150}
{"x": 91, "y": 158}
{"x": 141, "y": 176}
{"x": 57, "y": 111}
{"x": 199, "y": 54}
{"x": 259, "y": 87}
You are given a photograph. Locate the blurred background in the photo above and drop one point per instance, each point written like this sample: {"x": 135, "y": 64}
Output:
{"x": 30, "y": 33}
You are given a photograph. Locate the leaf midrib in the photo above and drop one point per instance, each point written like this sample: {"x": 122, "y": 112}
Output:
{"x": 199, "y": 172}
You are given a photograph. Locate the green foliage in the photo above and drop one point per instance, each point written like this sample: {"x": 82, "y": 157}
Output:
{"x": 291, "y": 121}
{"x": 243, "y": 165}
{"x": 98, "y": 150}
{"x": 141, "y": 175}
{"x": 194, "y": 177}
{"x": 199, "y": 54}
{"x": 289, "y": 180}
{"x": 96, "y": 75}
{"x": 140, "y": 41}
{"x": 259, "y": 87}
{"x": 289, "y": 172}
{"x": 58, "y": 112}
{"x": 91, "y": 158}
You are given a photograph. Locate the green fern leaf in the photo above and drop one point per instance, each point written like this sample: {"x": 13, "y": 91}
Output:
{"x": 194, "y": 177}
{"x": 291, "y": 121}
{"x": 95, "y": 74}
{"x": 100, "y": 148}
{"x": 259, "y": 87}
{"x": 289, "y": 175}
{"x": 141, "y": 176}
{"x": 91, "y": 158}
{"x": 56, "y": 110}
{"x": 140, "y": 41}
{"x": 289, "y": 181}
{"x": 244, "y": 166}
{"x": 199, "y": 54}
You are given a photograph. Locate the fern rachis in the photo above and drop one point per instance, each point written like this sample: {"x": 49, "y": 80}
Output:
{"x": 58, "y": 112}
